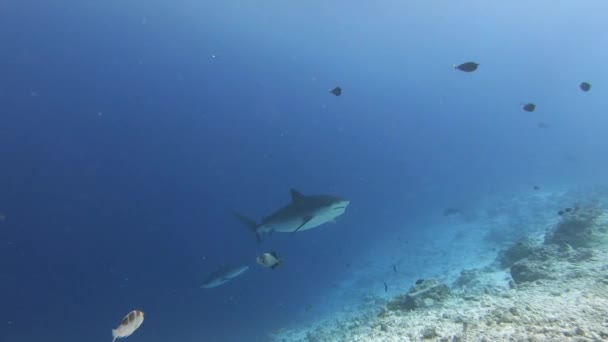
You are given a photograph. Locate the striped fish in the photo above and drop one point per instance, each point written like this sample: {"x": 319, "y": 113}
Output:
{"x": 128, "y": 325}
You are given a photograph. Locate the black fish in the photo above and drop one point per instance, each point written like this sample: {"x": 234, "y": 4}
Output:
{"x": 336, "y": 91}
{"x": 529, "y": 107}
{"x": 568, "y": 210}
{"x": 419, "y": 281}
{"x": 467, "y": 67}
{"x": 560, "y": 213}
{"x": 536, "y": 187}
{"x": 395, "y": 268}
{"x": 585, "y": 86}
{"x": 451, "y": 211}
{"x": 385, "y": 287}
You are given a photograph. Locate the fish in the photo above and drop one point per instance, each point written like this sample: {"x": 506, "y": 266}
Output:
{"x": 395, "y": 268}
{"x": 542, "y": 125}
{"x": 536, "y": 187}
{"x": 128, "y": 325}
{"x": 385, "y": 287}
{"x": 585, "y": 86}
{"x": 223, "y": 275}
{"x": 467, "y": 67}
{"x": 302, "y": 213}
{"x": 529, "y": 107}
{"x": 269, "y": 260}
{"x": 451, "y": 212}
{"x": 336, "y": 91}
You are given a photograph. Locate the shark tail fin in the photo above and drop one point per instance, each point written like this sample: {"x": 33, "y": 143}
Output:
{"x": 251, "y": 224}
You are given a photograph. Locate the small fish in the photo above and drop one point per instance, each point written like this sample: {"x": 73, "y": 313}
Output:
{"x": 336, "y": 91}
{"x": 385, "y": 287}
{"x": 269, "y": 260}
{"x": 451, "y": 211}
{"x": 585, "y": 86}
{"x": 529, "y": 107}
{"x": 467, "y": 67}
{"x": 560, "y": 213}
{"x": 128, "y": 325}
{"x": 543, "y": 125}
{"x": 419, "y": 281}
{"x": 395, "y": 268}
{"x": 568, "y": 210}
{"x": 536, "y": 187}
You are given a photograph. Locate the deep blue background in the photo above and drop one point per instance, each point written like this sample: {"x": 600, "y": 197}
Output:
{"x": 130, "y": 129}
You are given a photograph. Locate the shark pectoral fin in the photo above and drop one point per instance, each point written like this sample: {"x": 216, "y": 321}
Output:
{"x": 304, "y": 222}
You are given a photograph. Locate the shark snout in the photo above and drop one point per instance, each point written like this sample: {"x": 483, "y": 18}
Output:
{"x": 341, "y": 205}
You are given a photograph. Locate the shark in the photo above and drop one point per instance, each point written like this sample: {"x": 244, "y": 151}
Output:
{"x": 223, "y": 275}
{"x": 304, "y": 212}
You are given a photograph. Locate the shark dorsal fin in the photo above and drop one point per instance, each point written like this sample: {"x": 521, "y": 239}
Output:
{"x": 296, "y": 196}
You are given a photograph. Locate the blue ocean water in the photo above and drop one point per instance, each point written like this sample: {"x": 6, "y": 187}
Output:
{"x": 131, "y": 129}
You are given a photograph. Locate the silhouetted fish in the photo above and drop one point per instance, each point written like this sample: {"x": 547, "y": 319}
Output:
{"x": 536, "y": 187}
{"x": 529, "y": 107}
{"x": 451, "y": 211}
{"x": 336, "y": 91}
{"x": 385, "y": 287}
{"x": 467, "y": 67}
{"x": 585, "y": 86}
{"x": 395, "y": 268}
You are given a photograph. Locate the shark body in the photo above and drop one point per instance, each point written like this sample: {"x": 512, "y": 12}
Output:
{"x": 223, "y": 275}
{"x": 302, "y": 213}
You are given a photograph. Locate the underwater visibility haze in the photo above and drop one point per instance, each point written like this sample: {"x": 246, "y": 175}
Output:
{"x": 265, "y": 170}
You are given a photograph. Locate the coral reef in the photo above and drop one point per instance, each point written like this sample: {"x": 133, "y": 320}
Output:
{"x": 518, "y": 251}
{"x": 558, "y": 292}
{"x": 424, "y": 294}
{"x": 528, "y": 270}
{"x": 580, "y": 227}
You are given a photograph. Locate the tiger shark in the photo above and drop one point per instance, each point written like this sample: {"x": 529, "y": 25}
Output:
{"x": 223, "y": 275}
{"x": 302, "y": 213}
